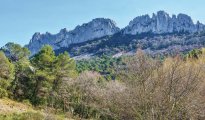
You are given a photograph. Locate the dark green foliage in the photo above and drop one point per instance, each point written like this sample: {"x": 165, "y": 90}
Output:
{"x": 44, "y": 59}
{"x": 50, "y": 71}
{"x": 43, "y": 63}
{"x": 19, "y": 57}
{"x": 105, "y": 65}
{"x": 65, "y": 68}
{"x": 158, "y": 43}
{"x": 6, "y": 75}
{"x": 15, "y": 52}
{"x": 23, "y": 83}
{"x": 38, "y": 79}
{"x": 196, "y": 53}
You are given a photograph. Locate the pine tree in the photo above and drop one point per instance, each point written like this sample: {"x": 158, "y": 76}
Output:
{"x": 65, "y": 70}
{"x": 22, "y": 86}
{"x": 19, "y": 56}
{"x": 6, "y": 75}
{"x": 15, "y": 52}
{"x": 44, "y": 76}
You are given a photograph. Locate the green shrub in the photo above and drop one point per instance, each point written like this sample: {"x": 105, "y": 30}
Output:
{"x": 3, "y": 93}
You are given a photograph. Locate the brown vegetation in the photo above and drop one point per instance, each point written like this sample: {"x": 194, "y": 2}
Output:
{"x": 146, "y": 89}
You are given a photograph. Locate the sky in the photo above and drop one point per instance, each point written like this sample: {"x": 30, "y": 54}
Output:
{"x": 20, "y": 19}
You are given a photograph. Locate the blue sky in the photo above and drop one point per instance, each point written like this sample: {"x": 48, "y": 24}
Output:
{"x": 20, "y": 19}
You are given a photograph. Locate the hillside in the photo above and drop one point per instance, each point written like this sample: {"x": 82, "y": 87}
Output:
{"x": 55, "y": 86}
{"x": 8, "y": 107}
{"x": 12, "y": 110}
{"x": 153, "y": 44}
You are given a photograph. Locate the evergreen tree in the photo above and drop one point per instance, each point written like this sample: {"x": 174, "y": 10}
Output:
{"x": 44, "y": 77}
{"x": 15, "y": 52}
{"x": 6, "y": 75}
{"x": 19, "y": 57}
{"x": 65, "y": 68}
{"x": 23, "y": 84}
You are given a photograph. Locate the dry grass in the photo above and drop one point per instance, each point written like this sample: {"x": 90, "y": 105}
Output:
{"x": 8, "y": 106}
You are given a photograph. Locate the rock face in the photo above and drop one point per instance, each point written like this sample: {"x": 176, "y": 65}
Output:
{"x": 159, "y": 23}
{"x": 162, "y": 23}
{"x": 95, "y": 29}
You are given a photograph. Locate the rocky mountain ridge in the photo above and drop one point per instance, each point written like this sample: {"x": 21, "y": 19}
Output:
{"x": 159, "y": 23}
{"x": 97, "y": 28}
{"x": 162, "y": 23}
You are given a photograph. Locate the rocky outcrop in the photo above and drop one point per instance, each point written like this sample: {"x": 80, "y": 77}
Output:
{"x": 162, "y": 23}
{"x": 95, "y": 29}
{"x": 159, "y": 23}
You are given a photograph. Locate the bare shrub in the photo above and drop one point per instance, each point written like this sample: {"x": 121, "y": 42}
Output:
{"x": 167, "y": 90}
{"x": 147, "y": 89}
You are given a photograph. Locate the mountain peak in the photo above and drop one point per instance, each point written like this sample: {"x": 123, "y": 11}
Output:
{"x": 36, "y": 36}
{"x": 161, "y": 22}
{"x": 104, "y": 20}
{"x": 99, "y": 21}
{"x": 162, "y": 13}
{"x": 96, "y": 28}
{"x": 63, "y": 31}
